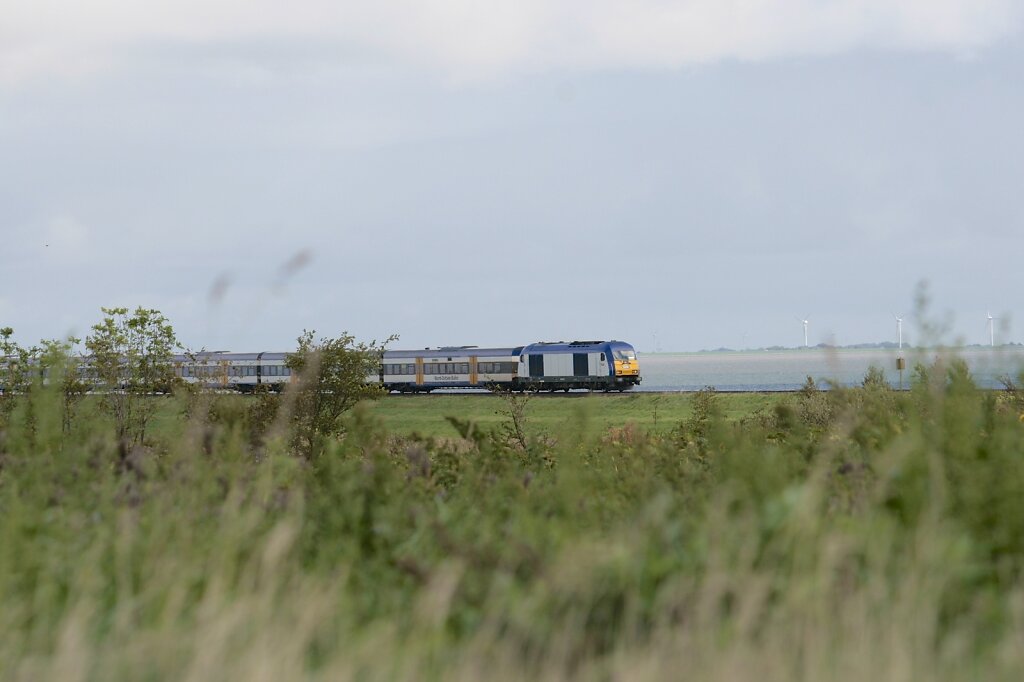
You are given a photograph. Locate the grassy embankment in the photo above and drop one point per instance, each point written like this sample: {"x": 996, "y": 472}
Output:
{"x": 853, "y": 535}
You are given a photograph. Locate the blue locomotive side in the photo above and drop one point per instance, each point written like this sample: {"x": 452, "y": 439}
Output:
{"x": 593, "y": 365}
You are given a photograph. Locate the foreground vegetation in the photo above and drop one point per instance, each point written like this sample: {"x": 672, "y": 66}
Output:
{"x": 854, "y": 534}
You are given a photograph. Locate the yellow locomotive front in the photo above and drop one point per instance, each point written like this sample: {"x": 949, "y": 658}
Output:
{"x": 625, "y": 363}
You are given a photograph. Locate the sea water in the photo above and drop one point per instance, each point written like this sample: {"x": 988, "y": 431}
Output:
{"x": 787, "y": 370}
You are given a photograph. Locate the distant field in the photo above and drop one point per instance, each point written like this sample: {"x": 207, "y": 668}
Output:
{"x": 426, "y": 414}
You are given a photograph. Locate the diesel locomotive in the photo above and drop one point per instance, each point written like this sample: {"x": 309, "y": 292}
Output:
{"x": 545, "y": 366}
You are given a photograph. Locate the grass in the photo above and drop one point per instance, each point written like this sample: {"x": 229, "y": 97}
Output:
{"x": 848, "y": 535}
{"x": 426, "y": 415}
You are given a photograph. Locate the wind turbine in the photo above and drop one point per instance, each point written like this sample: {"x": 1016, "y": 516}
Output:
{"x": 991, "y": 329}
{"x": 805, "y": 322}
{"x": 899, "y": 330}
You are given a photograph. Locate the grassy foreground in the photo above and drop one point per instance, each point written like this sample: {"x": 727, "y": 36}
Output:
{"x": 849, "y": 535}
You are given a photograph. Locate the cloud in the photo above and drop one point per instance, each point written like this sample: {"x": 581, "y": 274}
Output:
{"x": 474, "y": 39}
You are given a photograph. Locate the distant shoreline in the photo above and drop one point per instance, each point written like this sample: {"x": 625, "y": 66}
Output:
{"x": 822, "y": 347}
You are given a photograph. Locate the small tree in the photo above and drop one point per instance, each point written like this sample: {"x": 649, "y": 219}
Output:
{"x": 331, "y": 377}
{"x": 131, "y": 357}
{"x": 513, "y": 430}
{"x": 15, "y": 371}
{"x": 57, "y": 360}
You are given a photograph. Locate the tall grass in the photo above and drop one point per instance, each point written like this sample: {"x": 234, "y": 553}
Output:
{"x": 846, "y": 535}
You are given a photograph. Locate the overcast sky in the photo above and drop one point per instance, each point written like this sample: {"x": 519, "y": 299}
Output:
{"x": 688, "y": 174}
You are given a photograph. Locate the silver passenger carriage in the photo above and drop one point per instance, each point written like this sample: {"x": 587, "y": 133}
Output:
{"x": 233, "y": 371}
{"x": 414, "y": 371}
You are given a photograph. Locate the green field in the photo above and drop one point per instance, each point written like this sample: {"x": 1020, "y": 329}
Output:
{"x": 850, "y": 535}
{"x": 426, "y": 414}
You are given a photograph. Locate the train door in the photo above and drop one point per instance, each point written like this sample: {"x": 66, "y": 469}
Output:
{"x": 580, "y": 365}
{"x": 536, "y": 366}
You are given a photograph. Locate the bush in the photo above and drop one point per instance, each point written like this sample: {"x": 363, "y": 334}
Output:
{"x": 853, "y": 534}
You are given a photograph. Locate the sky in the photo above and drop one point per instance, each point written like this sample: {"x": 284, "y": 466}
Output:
{"x": 682, "y": 175}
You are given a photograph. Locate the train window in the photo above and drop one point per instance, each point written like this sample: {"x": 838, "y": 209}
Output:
{"x": 287, "y": 371}
{"x": 602, "y": 357}
{"x": 410, "y": 369}
{"x": 464, "y": 368}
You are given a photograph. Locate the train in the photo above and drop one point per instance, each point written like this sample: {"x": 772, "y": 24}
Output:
{"x": 542, "y": 366}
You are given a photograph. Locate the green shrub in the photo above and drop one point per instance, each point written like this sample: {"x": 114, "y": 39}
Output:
{"x": 848, "y": 534}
